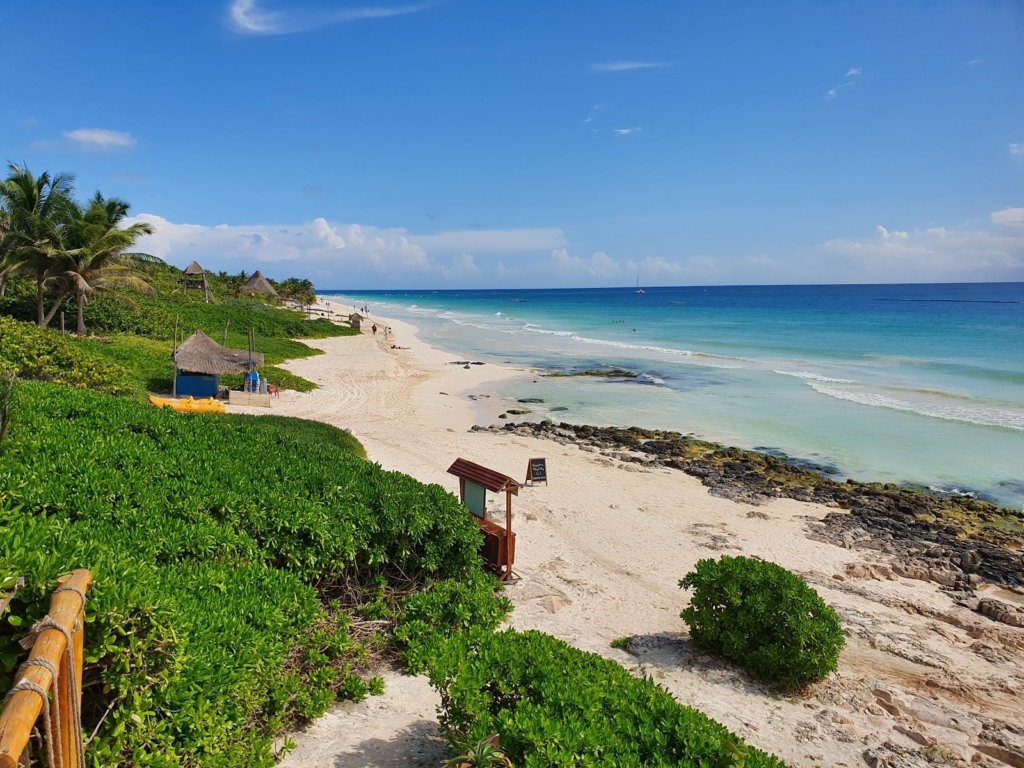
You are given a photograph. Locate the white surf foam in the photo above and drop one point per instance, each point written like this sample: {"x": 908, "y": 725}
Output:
{"x": 986, "y": 416}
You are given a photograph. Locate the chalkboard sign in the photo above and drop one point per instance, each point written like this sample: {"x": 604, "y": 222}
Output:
{"x": 537, "y": 470}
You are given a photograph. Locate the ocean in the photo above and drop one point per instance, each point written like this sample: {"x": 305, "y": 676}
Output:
{"x": 921, "y": 385}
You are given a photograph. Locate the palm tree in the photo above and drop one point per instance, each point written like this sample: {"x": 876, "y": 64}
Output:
{"x": 98, "y": 257}
{"x": 38, "y": 211}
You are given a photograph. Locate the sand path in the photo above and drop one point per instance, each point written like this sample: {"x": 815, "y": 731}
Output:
{"x": 600, "y": 550}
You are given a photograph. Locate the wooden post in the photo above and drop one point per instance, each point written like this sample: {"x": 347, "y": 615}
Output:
{"x": 23, "y": 708}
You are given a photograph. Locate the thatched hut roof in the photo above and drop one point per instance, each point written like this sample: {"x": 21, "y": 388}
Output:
{"x": 258, "y": 284}
{"x": 194, "y": 269}
{"x": 201, "y": 354}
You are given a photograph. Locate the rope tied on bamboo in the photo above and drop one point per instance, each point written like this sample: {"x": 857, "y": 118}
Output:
{"x": 75, "y": 729}
{"x": 27, "y": 685}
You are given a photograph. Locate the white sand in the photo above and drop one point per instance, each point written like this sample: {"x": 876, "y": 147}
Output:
{"x": 600, "y": 550}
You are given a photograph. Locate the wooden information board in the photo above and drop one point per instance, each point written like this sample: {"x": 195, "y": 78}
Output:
{"x": 537, "y": 470}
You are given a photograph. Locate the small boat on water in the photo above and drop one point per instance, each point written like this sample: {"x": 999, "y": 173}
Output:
{"x": 189, "y": 404}
{"x": 638, "y": 288}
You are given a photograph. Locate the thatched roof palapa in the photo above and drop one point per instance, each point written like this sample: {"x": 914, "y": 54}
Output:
{"x": 201, "y": 354}
{"x": 258, "y": 284}
{"x": 194, "y": 269}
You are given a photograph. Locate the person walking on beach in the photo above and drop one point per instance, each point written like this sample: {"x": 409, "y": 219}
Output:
{"x": 374, "y": 329}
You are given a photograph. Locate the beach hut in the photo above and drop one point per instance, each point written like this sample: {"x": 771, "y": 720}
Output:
{"x": 258, "y": 284}
{"x": 195, "y": 277}
{"x": 499, "y": 549}
{"x": 200, "y": 361}
{"x": 355, "y": 320}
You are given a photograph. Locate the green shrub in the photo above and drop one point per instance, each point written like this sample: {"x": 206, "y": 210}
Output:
{"x": 217, "y": 544}
{"x": 764, "y": 618}
{"x": 554, "y": 705}
{"x": 430, "y": 617}
{"x": 38, "y": 353}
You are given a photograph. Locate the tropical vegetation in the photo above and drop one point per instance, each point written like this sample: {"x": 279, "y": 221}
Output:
{"x": 764, "y": 618}
{"x": 249, "y": 571}
{"x": 556, "y": 706}
{"x": 232, "y": 597}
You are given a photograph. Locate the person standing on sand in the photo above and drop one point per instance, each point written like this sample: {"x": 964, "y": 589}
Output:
{"x": 374, "y": 329}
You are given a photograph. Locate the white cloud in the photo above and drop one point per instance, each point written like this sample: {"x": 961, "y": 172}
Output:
{"x": 1013, "y": 217}
{"x": 461, "y": 267}
{"x": 249, "y": 19}
{"x": 885, "y": 234}
{"x": 760, "y": 262}
{"x": 600, "y": 264}
{"x": 625, "y": 131}
{"x": 100, "y": 139}
{"x": 1017, "y": 149}
{"x": 853, "y": 72}
{"x": 833, "y": 92}
{"x": 346, "y": 254}
{"x": 627, "y": 66}
{"x": 929, "y": 255}
{"x": 972, "y": 62}
{"x": 315, "y": 244}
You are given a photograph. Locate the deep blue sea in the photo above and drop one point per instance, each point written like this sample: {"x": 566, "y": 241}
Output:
{"x": 916, "y": 384}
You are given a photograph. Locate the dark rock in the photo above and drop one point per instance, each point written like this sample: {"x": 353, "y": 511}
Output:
{"x": 954, "y": 540}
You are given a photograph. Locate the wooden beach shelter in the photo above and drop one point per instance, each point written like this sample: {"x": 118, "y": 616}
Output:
{"x": 200, "y": 361}
{"x": 195, "y": 277}
{"x": 258, "y": 284}
{"x": 499, "y": 548}
{"x": 355, "y": 320}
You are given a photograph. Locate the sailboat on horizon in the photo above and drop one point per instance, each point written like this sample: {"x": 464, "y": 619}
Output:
{"x": 638, "y": 288}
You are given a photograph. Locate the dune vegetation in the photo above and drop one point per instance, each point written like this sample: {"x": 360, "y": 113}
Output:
{"x": 250, "y": 571}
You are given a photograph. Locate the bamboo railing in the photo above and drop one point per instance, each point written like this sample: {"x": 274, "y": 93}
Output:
{"x": 35, "y": 682}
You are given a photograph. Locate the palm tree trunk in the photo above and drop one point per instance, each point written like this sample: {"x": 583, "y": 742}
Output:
{"x": 81, "y": 313}
{"x": 39, "y": 298}
{"x": 53, "y": 310}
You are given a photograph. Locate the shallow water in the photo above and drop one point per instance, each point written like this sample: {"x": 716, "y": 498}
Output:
{"x": 920, "y": 384}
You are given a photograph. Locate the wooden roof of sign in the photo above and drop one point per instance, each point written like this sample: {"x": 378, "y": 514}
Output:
{"x": 201, "y": 354}
{"x": 488, "y": 478}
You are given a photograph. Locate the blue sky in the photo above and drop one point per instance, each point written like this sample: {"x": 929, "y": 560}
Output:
{"x": 480, "y": 143}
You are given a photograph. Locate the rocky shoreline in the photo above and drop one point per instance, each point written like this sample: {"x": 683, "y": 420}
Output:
{"x": 957, "y": 541}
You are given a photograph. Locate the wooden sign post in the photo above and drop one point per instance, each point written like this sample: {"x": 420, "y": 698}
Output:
{"x": 537, "y": 470}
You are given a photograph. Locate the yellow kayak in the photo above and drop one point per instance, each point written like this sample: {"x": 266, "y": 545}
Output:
{"x": 189, "y": 404}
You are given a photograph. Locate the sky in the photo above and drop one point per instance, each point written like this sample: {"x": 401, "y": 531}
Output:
{"x": 550, "y": 143}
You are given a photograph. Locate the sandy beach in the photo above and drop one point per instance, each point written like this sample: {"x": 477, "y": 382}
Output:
{"x": 924, "y": 679}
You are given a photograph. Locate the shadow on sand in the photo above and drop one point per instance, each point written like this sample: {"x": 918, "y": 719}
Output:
{"x": 418, "y": 744}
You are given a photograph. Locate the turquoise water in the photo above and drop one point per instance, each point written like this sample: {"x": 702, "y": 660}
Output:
{"x": 917, "y": 384}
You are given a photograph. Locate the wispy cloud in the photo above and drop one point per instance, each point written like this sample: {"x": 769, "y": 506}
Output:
{"x": 100, "y": 139}
{"x": 247, "y": 18}
{"x": 626, "y": 66}
{"x": 972, "y": 62}
{"x": 626, "y": 131}
{"x": 831, "y": 93}
{"x": 1017, "y": 149}
{"x": 1011, "y": 217}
